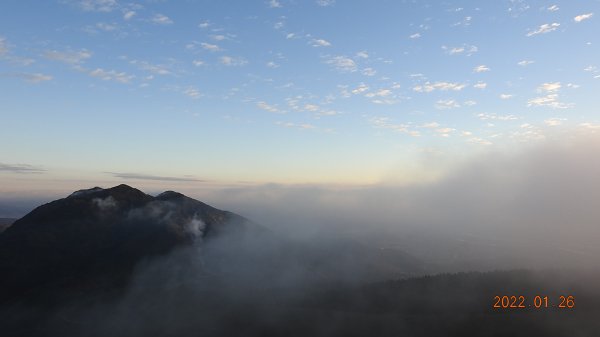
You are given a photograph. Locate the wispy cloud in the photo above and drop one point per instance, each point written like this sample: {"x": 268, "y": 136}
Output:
{"x": 97, "y": 5}
{"x": 111, "y": 75}
{"x": 549, "y": 87}
{"x": 29, "y": 77}
{"x": 481, "y": 69}
{"x": 192, "y": 92}
{"x": 465, "y": 49}
{"x": 447, "y": 104}
{"x": 232, "y": 61}
{"x": 268, "y": 107}
{"x": 69, "y": 56}
{"x": 320, "y": 43}
{"x": 21, "y": 168}
{"x": 274, "y": 4}
{"x": 553, "y": 8}
{"x": 583, "y": 17}
{"x": 138, "y": 176}
{"x": 342, "y": 64}
{"x": 210, "y": 47}
{"x": 493, "y": 116}
{"x": 443, "y": 86}
{"x": 161, "y": 19}
{"x": 300, "y": 126}
{"x": 550, "y": 100}
{"x": 544, "y": 29}
{"x": 325, "y": 3}
{"x": 525, "y": 63}
{"x": 480, "y": 85}
{"x": 128, "y": 15}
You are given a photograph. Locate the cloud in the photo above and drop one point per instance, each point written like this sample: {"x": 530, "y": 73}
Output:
{"x": 379, "y": 93}
{"x": 192, "y": 93}
{"x": 274, "y": 4}
{"x": 342, "y": 64}
{"x": 111, "y": 75}
{"x": 129, "y": 15}
{"x": 98, "y": 5}
{"x": 506, "y": 96}
{"x": 549, "y": 87}
{"x": 161, "y": 19}
{"x": 386, "y": 123}
{"x": 360, "y": 89}
{"x": 464, "y": 49}
{"x": 320, "y": 43}
{"x": 415, "y": 36}
{"x": 138, "y": 176}
{"x": 301, "y": 126}
{"x": 553, "y": 8}
{"x": 20, "y": 168}
{"x": 554, "y": 121}
{"x": 493, "y": 116}
{"x": 3, "y": 46}
{"x": 210, "y": 47}
{"x": 544, "y": 29}
{"x": 362, "y": 54}
{"x": 443, "y": 86}
{"x": 267, "y": 107}
{"x": 325, "y": 3}
{"x": 369, "y": 72}
{"x": 232, "y": 61}
{"x": 551, "y": 101}
{"x": 481, "y": 69}
{"x": 29, "y": 77}
{"x": 480, "y": 85}
{"x": 69, "y": 57}
{"x": 204, "y": 24}
{"x": 525, "y": 63}
{"x": 582, "y": 17}
{"x": 447, "y": 104}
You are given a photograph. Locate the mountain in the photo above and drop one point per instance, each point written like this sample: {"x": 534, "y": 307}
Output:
{"x": 5, "y": 223}
{"x": 93, "y": 238}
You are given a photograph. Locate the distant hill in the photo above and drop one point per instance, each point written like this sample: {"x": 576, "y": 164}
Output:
{"x": 5, "y": 223}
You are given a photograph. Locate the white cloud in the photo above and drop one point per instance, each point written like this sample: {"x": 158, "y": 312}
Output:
{"x": 3, "y": 46}
{"x": 480, "y": 85}
{"x": 70, "y": 57}
{"x": 268, "y": 107}
{"x": 554, "y": 121}
{"x": 192, "y": 93}
{"x": 464, "y": 49}
{"x": 447, "y": 104}
{"x": 32, "y": 78}
{"x": 549, "y": 87}
{"x": 232, "y": 61}
{"x": 369, "y": 72}
{"x": 161, "y": 19}
{"x": 107, "y": 27}
{"x": 545, "y": 28}
{"x": 525, "y": 63}
{"x": 342, "y": 64}
{"x": 129, "y": 15}
{"x": 550, "y": 101}
{"x": 311, "y": 107}
{"x": 111, "y": 75}
{"x": 443, "y": 86}
{"x": 274, "y": 4}
{"x": 506, "y": 96}
{"x": 198, "y": 62}
{"x": 582, "y": 17}
{"x": 415, "y": 36}
{"x": 272, "y": 64}
{"x": 325, "y": 3}
{"x": 320, "y": 43}
{"x": 98, "y": 5}
{"x": 360, "y": 89}
{"x": 204, "y": 24}
{"x": 210, "y": 47}
{"x": 386, "y": 123}
{"x": 362, "y": 54}
{"x": 481, "y": 69}
{"x": 553, "y": 8}
{"x": 300, "y": 126}
{"x": 493, "y": 116}
{"x": 379, "y": 93}
{"x": 431, "y": 125}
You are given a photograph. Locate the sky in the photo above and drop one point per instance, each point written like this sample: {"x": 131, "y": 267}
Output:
{"x": 158, "y": 93}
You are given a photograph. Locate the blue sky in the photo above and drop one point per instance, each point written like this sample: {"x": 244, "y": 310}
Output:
{"x": 293, "y": 92}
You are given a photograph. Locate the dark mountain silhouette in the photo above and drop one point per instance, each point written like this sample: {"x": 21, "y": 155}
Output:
{"x": 5, "y": 223}
{"x": 93, "y": 238}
